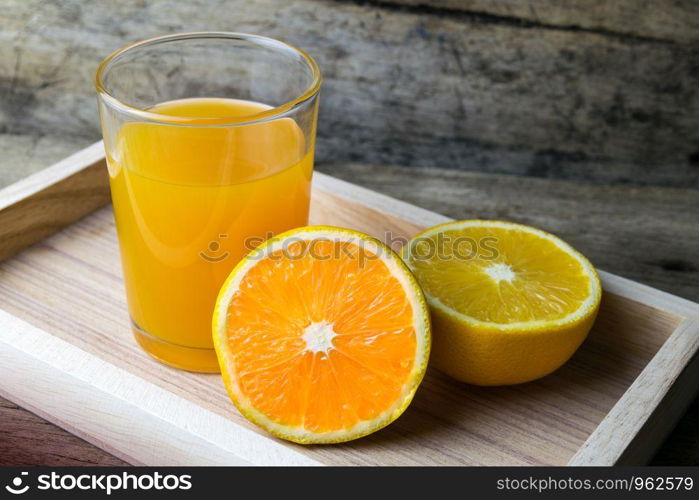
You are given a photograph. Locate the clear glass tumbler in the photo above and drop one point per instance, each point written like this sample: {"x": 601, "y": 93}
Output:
{"x": 209, "y": 139}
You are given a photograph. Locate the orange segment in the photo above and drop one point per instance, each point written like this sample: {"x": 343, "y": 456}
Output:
{"x": 322, "y": 335}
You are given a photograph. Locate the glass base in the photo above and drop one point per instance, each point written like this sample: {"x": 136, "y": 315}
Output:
{"x": 194, "y": 359}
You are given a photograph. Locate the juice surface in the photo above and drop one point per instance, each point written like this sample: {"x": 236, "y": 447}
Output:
{"x": 189, "y": 202}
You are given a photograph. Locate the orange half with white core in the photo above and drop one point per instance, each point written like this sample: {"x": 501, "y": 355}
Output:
{"x": 509, "y": 303}
{"x": 322, "y": 335}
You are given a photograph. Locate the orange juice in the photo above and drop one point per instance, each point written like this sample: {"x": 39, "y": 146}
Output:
{"x": 189, "y": 202}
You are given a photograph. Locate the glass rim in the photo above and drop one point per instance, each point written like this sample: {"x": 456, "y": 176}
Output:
{"x": 269, "y": 114}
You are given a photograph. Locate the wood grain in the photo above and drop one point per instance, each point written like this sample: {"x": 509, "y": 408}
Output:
{"x": 676, "y": 402}
{"x": 414, "y": 86}
{"x": 658, "y": 20}
{"x": 28, "y": 440}
{"x": 69, "y": 284}
{"x": 28, "y": 153}
{"x": 631, "y": 413}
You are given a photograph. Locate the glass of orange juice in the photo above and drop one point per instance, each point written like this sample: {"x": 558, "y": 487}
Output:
{"x": 209, "y": 139}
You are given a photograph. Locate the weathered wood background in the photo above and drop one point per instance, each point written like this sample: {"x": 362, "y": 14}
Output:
{"x": 590, "y": 89}
{"x": 580, "y": 117}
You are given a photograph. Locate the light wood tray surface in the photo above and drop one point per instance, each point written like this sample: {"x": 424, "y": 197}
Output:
{"x": 67, "y": 353}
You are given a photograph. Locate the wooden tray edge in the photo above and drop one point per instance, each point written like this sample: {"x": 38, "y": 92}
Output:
{"x": 41, "y": 204}
{"x": 610, "y": 441}
{"x": 108, "y": 406}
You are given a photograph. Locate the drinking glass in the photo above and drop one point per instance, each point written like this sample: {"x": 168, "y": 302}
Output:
{"x": 209, "y": 140}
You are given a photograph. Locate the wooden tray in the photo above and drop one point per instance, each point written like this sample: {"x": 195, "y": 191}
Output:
{"x": 66, "y": 353}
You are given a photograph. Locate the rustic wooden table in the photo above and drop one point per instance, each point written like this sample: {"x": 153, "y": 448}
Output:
{"x": 581, "y": 118}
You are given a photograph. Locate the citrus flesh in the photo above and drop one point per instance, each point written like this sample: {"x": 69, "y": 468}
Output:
{"x": 509, "y": 303}
{"x": 322, "y": 335}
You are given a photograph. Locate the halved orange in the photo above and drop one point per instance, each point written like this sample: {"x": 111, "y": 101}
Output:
{"x": 322, "y": 335}
{"x": 510, "y": 303}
